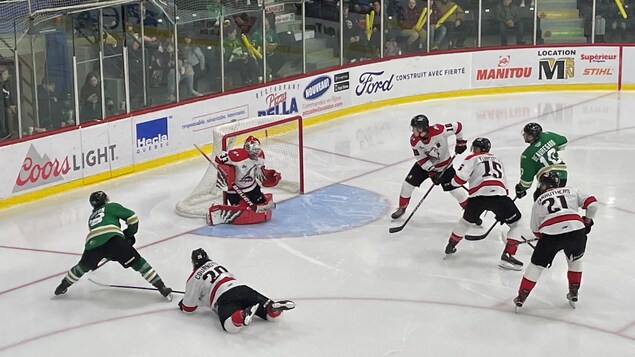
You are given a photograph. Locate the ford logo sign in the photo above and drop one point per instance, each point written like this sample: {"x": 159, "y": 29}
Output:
{"x": 317, "y": 87}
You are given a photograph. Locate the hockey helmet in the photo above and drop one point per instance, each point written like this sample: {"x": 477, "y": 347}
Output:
{"x": 549, "y": 179}
{"x": 482, "y": 143}
{"x": 199, "y": 257}
{"x": 420, "y": 122}
{"x": 534, "y": 130}
{"x": 98, "y": 199}
{"x": 252, "y": 145}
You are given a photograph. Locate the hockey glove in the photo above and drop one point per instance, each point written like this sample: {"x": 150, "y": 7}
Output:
{"x": 434, "y": 176}
{"x": 461, "y": 146}
{"x": 520, "y": 191}
{"x": 588, "y": 223}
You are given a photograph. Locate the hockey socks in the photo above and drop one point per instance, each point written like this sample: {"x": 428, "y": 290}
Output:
{"x": 72, "y": 276}
{"x": 146, "y": 271}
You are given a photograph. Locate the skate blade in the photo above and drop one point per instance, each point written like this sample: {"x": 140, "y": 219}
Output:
{"x": 518, "y": 309}
{"x": 510, "y": 267}
{"x": 572, "y": 304}
{"x": 169, "y": 297}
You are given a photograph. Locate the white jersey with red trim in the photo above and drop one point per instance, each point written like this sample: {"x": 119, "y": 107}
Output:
{"x": 206, "y": 284}
{"x": 484, "y": 174}
{"x": 246, "y": 168}
{"x": 433, "y": 153}
{"x": 557, "y": 211}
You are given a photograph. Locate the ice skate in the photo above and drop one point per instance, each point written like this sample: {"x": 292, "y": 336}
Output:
{"x": 398, "y": 213}
{"x": 509, "y": 262}
{"x": 164, "y": 290}
{"x": 520, "y": 299}
{"x": 62, "y": 288}
{"x": 572, "y": 296}
{"x": 248, "y": 314}
{"x": 280, "y": 305}
{"x": 450, "y": 248}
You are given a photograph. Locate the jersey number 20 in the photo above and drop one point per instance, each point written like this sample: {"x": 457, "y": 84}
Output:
{"x": 214, "y": 273}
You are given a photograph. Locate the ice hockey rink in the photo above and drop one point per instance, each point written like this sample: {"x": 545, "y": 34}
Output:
{"x": 359, "y": 290}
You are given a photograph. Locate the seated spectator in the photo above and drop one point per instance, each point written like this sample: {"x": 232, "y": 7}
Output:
{"x": 90, "y": 99}
{"x": 456, "y": 31}
{"x": 238, "y": 61}
{"x": 508, "y": 18}
{"x": 353, "y": 50}
{"x": 271, "y": 40}
{"x": 181, "y": 70}
{"x": 49, "y": 107}
{"x": 408, "y": 23}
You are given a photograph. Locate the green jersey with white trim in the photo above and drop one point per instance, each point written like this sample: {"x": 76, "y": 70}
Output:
{"x": 542, "y": 156}
{"x": 104, "y": 224}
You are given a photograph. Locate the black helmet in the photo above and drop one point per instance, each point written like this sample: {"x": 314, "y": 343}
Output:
{"x": 483, "y": 143}
{"x": 98, "y": 199}
{"x": 533, "y": 129}
{"x": 420, "y": 122}
{"x": 199, "y": 257}
{"x": 549, "y": 179}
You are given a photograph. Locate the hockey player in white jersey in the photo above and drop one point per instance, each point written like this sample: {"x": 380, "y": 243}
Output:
{"x": 430, "y": 148}
{"x": 240, "y": 170}
{"x": 210, "y": 284}
{"x": 556, "y": 220}
{"x": 485, "y": 176}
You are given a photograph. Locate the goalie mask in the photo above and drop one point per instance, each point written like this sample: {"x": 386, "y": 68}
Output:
{"x": 98, "y": 199}
{"x": 199, "y": 257}
{"x": 252, "y": 145}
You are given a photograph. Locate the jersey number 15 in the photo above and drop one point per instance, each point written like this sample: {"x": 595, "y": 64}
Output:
{"x": 493, "y": 169}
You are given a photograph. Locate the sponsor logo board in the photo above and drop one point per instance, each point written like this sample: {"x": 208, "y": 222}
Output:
{"x": 152, "y": 135}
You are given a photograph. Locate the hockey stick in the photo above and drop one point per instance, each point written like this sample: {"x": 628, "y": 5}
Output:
{"x": 234, "y": 186}
{"x": 129, "y": 286}
{"x": 484, "y": 235}
{"x": 399, "y": 228}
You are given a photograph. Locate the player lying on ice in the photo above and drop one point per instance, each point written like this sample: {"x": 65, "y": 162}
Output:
{"x": 240, "y": 170}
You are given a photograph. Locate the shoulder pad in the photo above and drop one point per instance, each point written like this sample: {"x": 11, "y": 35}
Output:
{"x": 436, "y": 129}
{"x": 237, "y": 155}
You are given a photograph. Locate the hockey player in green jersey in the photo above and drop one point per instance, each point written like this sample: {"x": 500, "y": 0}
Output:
{"x": 539, "y": 157}
{"x": 106, "y": 240}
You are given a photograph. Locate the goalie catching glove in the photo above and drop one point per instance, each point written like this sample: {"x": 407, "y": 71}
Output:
{"x": 269, "y": 177}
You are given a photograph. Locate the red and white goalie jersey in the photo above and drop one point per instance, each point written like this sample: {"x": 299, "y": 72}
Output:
{"x": 557, "y": 211}
{"x": 205, "y": 285}
{"x": 246, "y": 168}
{"x": 433, "y": 153}
{"x": 484, "y": 174}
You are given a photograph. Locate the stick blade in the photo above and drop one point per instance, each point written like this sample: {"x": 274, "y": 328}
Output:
{"x": 481, "y": 237}
{"x": 395, "y": 229}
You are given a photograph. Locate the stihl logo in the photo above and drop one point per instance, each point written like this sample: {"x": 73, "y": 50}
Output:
{"x": 597, "y": 72}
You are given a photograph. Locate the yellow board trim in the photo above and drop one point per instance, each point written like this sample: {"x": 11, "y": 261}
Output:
{"x": 189, "y": 154}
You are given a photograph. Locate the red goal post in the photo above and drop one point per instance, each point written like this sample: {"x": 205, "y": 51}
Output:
{"x": 282, "y": 142}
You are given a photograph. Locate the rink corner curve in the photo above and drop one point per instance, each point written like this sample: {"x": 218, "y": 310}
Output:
{"x": 331, "y": 209}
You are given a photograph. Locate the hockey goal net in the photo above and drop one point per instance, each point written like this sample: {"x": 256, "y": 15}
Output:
{"x": 281, "y": 139}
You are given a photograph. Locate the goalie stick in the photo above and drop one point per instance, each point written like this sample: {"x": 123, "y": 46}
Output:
{"x": 484, "y": 235}
{"x": 129, "y": 286}
{"x": 399, "y": 228}
{"x": 234, "y": 186}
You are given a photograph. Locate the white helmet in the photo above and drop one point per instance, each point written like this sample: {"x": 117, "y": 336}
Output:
{"x": 252, "y": 145}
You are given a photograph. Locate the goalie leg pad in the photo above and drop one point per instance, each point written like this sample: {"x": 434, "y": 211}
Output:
{"x": 219, "y": 214}
{"x": 268, "y": 205}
